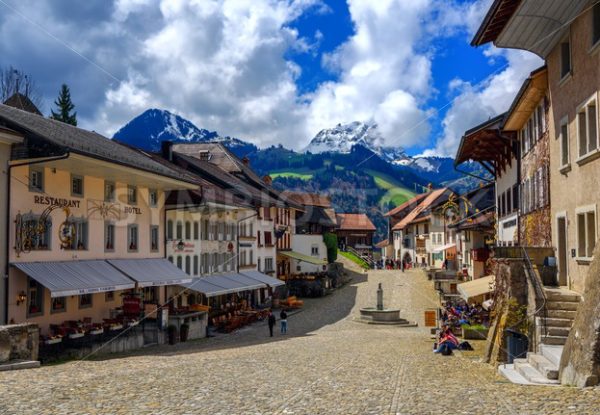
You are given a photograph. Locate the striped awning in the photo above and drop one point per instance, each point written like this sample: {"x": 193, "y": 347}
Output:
{"x": 215, "y": 285}
{"x": 64, "y": 278}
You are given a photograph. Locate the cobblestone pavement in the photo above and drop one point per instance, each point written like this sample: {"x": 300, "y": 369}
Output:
{"x": 327, "y": 364}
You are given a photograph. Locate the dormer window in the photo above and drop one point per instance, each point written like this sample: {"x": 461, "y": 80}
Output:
{"x": 204, "y": 155}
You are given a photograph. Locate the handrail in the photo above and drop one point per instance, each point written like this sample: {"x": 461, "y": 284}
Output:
{"x": 355, "y": 252}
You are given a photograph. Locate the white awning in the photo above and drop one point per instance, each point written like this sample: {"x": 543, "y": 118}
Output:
{"x": 477, "y": 287}
{"x": 270, "y": 281}
{"x": 205, "y": 287}
{"x": 443, "y": 248}
{"x": 151, "y": 272}
{"x": 64, "y": 278}
{"x": 215, "y": 285}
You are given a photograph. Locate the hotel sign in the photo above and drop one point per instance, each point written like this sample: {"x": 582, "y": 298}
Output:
{"x": 54, "y": 201}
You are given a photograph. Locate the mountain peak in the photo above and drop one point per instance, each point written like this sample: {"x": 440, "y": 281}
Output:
{"x": 154, "y": 125}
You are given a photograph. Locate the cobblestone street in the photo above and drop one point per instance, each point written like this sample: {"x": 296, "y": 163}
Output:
{"x": 327, "y": 364}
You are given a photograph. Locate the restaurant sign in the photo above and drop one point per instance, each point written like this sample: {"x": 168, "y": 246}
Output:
{"x": 54, "y": 201}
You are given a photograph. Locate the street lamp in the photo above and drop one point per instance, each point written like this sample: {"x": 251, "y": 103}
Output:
{"x": 180, "y": 245}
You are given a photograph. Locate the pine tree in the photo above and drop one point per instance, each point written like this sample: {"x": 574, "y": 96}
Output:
{"x": 64, "y": 107}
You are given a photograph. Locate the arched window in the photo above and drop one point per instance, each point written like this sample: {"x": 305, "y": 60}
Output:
{"x": 196, "y": 262}
{"x": 188, "y": 265}
{"x": 179, "y": 231}
{"x": 215, "y": 263}
{"x": 188, "y": 230}
{"x": 179, "y": 262}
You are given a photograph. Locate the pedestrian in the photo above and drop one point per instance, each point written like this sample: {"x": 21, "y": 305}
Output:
{"x": 283, "y": 321}
{"x": 271, "y": 321}
{"x": 402, "y": 265}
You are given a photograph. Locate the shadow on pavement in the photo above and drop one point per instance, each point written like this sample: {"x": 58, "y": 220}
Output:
{"x": 316, "y": 313}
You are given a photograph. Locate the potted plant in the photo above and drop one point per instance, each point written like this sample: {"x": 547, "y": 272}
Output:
{"x": 184, "y": 331}
{"x": 172, "y": 333}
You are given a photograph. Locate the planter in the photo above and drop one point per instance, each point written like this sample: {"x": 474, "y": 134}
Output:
{"x": 97, "y": 331}
{"x": 53, "y": 341}
{"x": 76, "y": 335}
{"x": 475, "y": 334}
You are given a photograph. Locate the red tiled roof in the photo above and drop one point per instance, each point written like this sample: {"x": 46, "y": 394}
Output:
{"x": 412, "y": 202}
{"x": 431, "y": 197}
{"x": 308, "y": 199}
{"x": 354, "y": 221}
{"x": 382, "y": 244}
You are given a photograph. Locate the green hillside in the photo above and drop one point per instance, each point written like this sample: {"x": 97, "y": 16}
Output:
{"x": 396, "y": 193}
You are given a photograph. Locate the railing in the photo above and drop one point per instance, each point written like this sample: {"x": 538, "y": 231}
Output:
{"x": 366, "y": 259}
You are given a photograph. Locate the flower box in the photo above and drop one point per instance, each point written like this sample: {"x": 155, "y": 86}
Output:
{"x": 53, "y": 341}
{"x": 76, "y": 335}
{"x": 97, "y": 331}
{"x": 114, "y": 327}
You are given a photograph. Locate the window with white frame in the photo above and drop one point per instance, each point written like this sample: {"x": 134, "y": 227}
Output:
{"x": 109, "y": 236}
{"x": 36, "y": 179}
{"x": 587, "y": 127}
{"x": 188, "y": 265}
{"x": 131, "y": 195}
{"x": 76, "y": 230}
{"x": 132, "y": 237}
{"x": 154, "y": 238}
{"x": 268, "y": 264}
{"x": 153, "y": 197}
{"x": 109, "y": 191}
{"x": 314, "y": 250}
{"x": 76, "y": 185}
{"x": 586, "y": 232}
{"x": 564, "y": 142}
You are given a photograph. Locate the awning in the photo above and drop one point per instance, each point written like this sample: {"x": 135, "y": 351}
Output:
{"x": 270, "y": 281}
{"x": 151, "y": 272}
{"x": 303, "y": 258}
{"x": 476, "y": 287}
{"x": 443, "y": 248}
{"x": 64, "y": 278}
{"x": 205, "y": 287}
{"x": 215, "y": 285}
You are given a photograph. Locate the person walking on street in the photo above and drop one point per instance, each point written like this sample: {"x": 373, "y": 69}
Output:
{"x": 283, "y": 321}
{"x": 271, "y": 321}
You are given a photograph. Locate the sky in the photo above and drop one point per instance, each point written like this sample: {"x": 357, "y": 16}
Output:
{"x": 266, "y": 71}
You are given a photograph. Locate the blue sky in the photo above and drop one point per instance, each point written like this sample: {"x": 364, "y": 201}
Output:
{"x": 269, "y": 71}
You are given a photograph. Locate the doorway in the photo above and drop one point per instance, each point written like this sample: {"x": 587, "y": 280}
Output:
{"x": 562, "y": 248}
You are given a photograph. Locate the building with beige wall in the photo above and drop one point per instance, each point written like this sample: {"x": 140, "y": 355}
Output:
{"x": 8, "y": 138}
{"x": 86, "y": 223}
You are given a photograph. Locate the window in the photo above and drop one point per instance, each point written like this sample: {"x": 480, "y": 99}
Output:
{"x": 564, "y": 142}
{"x": 170, "y": 230}
{"x": 59, "y": 305}
{"x": 76, "y": 186}
{"x": 188, "y": 230}
{"x": 180, "y": 262}
{"x": 109, "y": 191}
{"x": 587, "y": 127}
{"x": 132, "y": 195}
{"x": 214, "y": 261}
{"x": 565, "y": 58}
{"x": 74, "y": 234}
{"x": 132, "y": 237}
{"x": 109, "y": 296}
{"x": 314, "y": 250}
{"x": 36, "y": 180}
{"x": 109, "y": 236}
{"x": 205, "y": 228}
{"x": 179, "y": 230}
{"x": 188, "y": 265}
{"x": 268, "y": 239}
{"x": 150, "y": 294}
{"x": 586, "y": 232}
{"x": 196, "y": 263}
{"x": 85, "y": 301}
{"x": 196, "y": 231}
{"x": 595, "y": 24}
{"x": 204, "y": 263}
{"x": 426, "y": 229}
{"x": 41, "y": 235}
{"x": 515, "y": 197}
{"x": 204, "y": 155}
{"x": 153, "y": 197}
{"x": 35, "y": 298}
{"x": 154, "y": 238}
{"x": 268, "y": 264}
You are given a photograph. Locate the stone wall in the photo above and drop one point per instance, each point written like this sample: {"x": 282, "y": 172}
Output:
{"x": 19, "y": 342}
{"x": 511, "y": 282}
{"x": 580, "y": 361}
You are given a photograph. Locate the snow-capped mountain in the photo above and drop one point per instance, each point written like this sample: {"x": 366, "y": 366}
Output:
{"x": 149, "y": 129}
{"x": 343, "y": 137}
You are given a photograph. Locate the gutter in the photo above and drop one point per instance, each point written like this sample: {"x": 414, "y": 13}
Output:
{"x": 7, "y": 236}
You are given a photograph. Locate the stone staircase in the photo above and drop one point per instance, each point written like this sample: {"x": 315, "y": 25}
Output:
{"x": 542, "y": 368}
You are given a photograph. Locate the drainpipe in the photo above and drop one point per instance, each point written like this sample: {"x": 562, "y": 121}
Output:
{"x": 238, "y": 238}
{"x": 7, "y": 236}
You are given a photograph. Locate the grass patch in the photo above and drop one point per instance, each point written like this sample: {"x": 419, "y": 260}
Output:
{"x": 357, "y": 260}
{"x": 291, "y": 174}
{"x": 396, "y": 193}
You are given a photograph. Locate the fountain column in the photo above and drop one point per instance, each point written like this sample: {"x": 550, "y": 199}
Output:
{"x": 379, "y": 297}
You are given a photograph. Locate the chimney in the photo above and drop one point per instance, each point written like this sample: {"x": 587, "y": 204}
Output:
{"x": 246, "y": 161}
{"x": 166, "y": 149}
{"x": 267, "y": 180}
{"x": 429, "y": 187}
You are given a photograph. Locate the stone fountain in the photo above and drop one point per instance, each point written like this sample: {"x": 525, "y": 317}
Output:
{"x": 382, "y": 315}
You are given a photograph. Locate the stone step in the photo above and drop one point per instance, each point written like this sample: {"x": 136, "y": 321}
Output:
{"x": 530, "y": 373}
{"x": 543, "y": 365}
{"x": 561, "y": 314}
{"x": 562, "y": 305}
{"x": 554, "y": 340}
{"x": 552, "y": 353}
{"x": 509, "y": 372}
{"x": 559, "y": 322}
{"x": 558, "y": 331}
{"x": 562, "y": 295}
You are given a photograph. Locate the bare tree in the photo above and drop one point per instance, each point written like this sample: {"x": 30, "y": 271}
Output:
{"x": 14, "y": 80}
